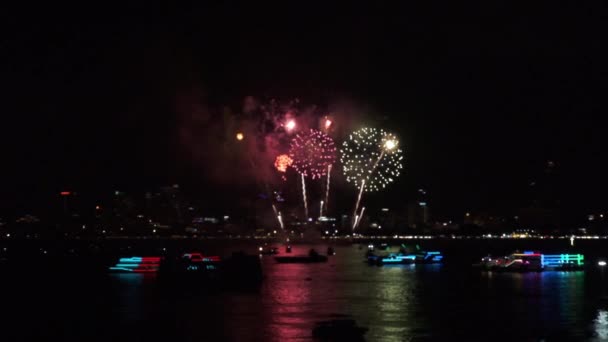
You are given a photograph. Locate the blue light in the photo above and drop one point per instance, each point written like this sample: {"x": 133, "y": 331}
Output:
{"x": 121, "y": 269}
{"x": 126, "y": 265}
{"x": 528, "y": 252}
{"x": 130, "y": 260}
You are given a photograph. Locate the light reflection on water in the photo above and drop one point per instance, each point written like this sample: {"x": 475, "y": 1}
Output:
{"x": 395, "y": 302}
{"x": 601, "y": 326}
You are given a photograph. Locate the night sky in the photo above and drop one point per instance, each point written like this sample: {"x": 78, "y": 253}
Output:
{"x": 482, "y": 96}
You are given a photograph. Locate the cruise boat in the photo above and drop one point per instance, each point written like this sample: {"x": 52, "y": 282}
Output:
{"x": 533, "y": 261}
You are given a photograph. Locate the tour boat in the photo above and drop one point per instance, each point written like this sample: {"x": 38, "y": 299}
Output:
{"x": 533, "y": 261}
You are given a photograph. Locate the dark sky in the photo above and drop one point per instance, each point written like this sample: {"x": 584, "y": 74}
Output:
{"x": 482, "y": 94}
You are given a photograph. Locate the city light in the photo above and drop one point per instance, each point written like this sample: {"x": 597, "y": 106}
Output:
{"x": 65, "y": 193}
{"x": 601, "y": 263}
{"x": 327, "y": 123}
{"x": 239, "y": 136}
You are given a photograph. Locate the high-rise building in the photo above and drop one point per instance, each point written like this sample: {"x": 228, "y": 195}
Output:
{"x": 419, "y": 212}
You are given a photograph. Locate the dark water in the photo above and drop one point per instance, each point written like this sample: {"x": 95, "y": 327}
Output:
{"x": 396, "y": 303}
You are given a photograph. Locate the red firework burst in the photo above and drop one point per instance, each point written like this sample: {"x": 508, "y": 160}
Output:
{"x": 312, "y": 152}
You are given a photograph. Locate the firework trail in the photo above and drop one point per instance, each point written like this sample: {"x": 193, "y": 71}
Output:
{"x": 359, "y": 217}
{"x": 321, "y": 209}
{"x": 327, "y": 189}
{"x": 278, "y": 216}
{"x": 304, "y": 198}
{"x": 355, "y": 215}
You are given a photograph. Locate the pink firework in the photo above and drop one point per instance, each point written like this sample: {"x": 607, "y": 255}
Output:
{"x": 282, "y": 162}
{"x": 312, "y": 152}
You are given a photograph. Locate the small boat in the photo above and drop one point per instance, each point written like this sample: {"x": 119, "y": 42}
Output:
{"x": 199, "y": 262}
{"x": 266, "y": 250}
{"x": 312, "y": 257}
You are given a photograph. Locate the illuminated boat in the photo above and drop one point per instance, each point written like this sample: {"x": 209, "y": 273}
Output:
{"x": 533, "y": 261}
{"x": 392, "y": 258}
{"x": 433, "y": 257}
{"x": 192, "y": 262}
{"x": 137, "y": 265}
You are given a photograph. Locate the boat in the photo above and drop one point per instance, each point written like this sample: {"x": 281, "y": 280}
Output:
{"x": 392, "y": 259}
{"x": 312, "y": 257}
{"x": 137, "y": 265}
{"x": 192, "y": 262}
{"x": 533, "y": 261}
{"x": 267, "y": 250}
{"x": 433, "y": 257}
{"x": 405, "y": 256}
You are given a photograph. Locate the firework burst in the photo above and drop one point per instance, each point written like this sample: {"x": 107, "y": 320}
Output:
{"x": 312, "y": 152}
{"x": 282, "y": 162}
{"x": 371, "y": 159}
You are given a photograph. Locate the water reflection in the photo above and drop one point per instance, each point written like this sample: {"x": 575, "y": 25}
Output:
{"x": 396, "y": 303}
{"x": 601, "y": 325}
{"x": 130, "y": 294}
{"x": 543, "y": 304}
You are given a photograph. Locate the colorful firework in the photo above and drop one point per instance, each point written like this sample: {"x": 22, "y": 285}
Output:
{"x": 312, "y": 152}
{"x": 282, "y": 162}
{"x": 290, "y": 125}
{"x": 371, "y": 159}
